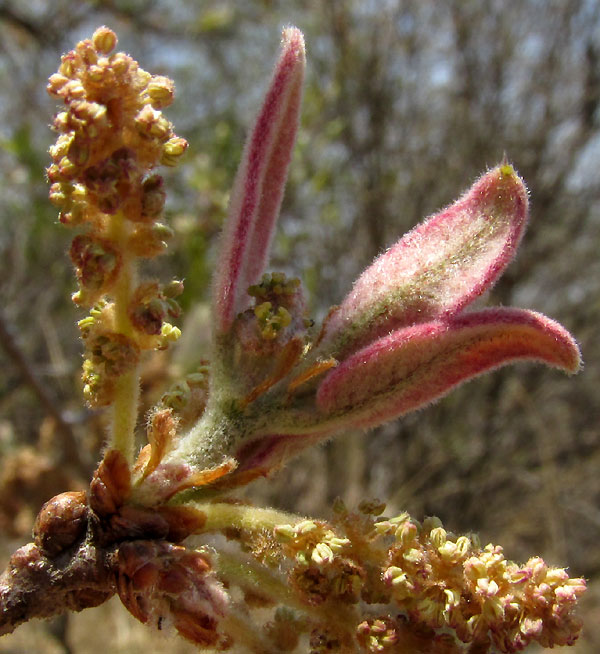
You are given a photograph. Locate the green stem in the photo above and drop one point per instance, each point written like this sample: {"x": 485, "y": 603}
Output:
{"x": 245, "y": 632}
{"x": 124, "y": 414}
{"x": 223, "y": 515}
{"x": 127, "y": 391}
{"x": 258, "y": 578}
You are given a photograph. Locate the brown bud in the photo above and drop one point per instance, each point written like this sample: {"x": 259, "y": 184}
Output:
{"x": 153, "y": 197}
{"x": 157, "y": 580}
{"x": 136, "y": 522}
{"x": 86, "y": 598}
{"x": 117, "y": 353}
{"x": 111, "y": 484}
{"x": 147, "y": 310}
{"x": 61, "y": 522}
{"x": 96, "y": 260}
{"x": 182, "y": 520}
{"x": 25, "y": 557}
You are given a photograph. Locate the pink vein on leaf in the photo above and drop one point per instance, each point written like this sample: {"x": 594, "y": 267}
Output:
{"x": 416, "y": 365}
{"x": 439, "y": 267}
{"x": 259, "y": 184}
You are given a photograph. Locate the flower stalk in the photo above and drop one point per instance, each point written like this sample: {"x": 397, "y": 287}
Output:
{"x": 127, "y": 388}
{"x": 112, "y": 135}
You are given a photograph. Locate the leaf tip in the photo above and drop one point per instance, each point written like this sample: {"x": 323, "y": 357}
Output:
{"x": 292, "y": 39}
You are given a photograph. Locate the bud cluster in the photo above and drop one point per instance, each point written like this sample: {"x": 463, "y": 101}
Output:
{"x": 148, "y": 308}
{"x": 276, "y": 317}
{"x": 112, "y": 134}
{"x": 270, "y": 336}
{"x": 440, "y": 591}
{"x": 164, "y": 584}
{"x": 187, "y": 398}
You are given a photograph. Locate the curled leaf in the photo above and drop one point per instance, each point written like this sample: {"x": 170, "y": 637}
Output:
{"x": 413, "y": 366}
{"x": 436, "y": 269}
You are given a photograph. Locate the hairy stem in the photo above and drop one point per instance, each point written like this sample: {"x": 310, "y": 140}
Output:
{"x": 222, "y": 516}
{"x": 125, "y": 406}
{"x": 244, "y": 631}
{"x": 239, "y": 570}
{"x": 124, "y": 414}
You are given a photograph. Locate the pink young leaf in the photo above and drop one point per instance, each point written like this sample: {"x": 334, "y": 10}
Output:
{"x": 259, "y": 184}
{"x": 402, "y": 372}
{"x": 436, "y": 269}
{"x": 413, "y": 366}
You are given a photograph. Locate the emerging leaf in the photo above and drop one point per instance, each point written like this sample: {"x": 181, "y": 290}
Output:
{"x": 259, "y": 184}
{"x": 438, "y": 268}
{"x": 413, "y": 366}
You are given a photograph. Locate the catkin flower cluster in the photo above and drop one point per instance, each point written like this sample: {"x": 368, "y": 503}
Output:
{"x": 397, "y": 585}
{"x": 112, "y": 135}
